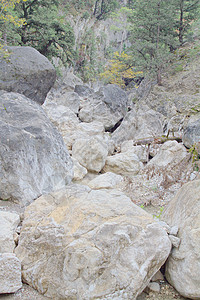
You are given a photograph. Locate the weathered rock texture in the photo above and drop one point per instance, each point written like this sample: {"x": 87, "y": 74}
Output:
{"x": 33, "y": 157}
{"x": 169, "y": 163}
{"x": 137, "y": 125}
{"x": 191, "y": 134}
{"x": 108, "y": 180}
{"x": 90, "y": 153}
{"x": 126, "y": 163}
{"x": 8, "y": 224}
{"x": 83, "y": 244}
{"x": 27, "y": 72}
{"x": 108, "y": 105}
{"x": 183, "y": 265}
{"x": 10, "y": 273}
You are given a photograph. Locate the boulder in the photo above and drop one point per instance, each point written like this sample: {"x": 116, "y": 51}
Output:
{"x": 65, "y": 121}
{"x": 79, "y": 171}
{"x": 10, "y": 273}
{"x": 108, "y": 105}
{"x": 191, "y": 134}
{"x": 8, "y": 224}
{"x": 79, "y": 243}
{"x": 33, "y": 157}
{"x": 140, "y": 151}
{"x": 169, "y": 163}
{"x": 139, "y": 124}
{"x": 70, "y": 100}
{"x": 69, "y": 80}
{"x": 27, "y": 72}
{"x": 108, "y": 180}
{"x": 183, "y": 265}
{"x": 83, "y": 90}
{"x": 64, "y": 98}
{"x": 126, "y": 163}
{"x": 90, "y": 153}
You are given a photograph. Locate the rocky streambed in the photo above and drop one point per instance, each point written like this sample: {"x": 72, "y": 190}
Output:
{"x": 92, "y": 205}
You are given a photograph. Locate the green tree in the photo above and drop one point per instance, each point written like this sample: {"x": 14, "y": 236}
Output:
{"x": 187, "y": 11}
{"x": 7, "y": 19}
{"x": 152, "y": 35}
{"x": 103, "y": 8}
{"x": 45, "y": 29}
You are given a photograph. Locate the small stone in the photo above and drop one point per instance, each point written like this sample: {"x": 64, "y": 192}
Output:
{"x": 157, "y": 276}
{"x": 154, "y": 286}
{"x": 193, "y": 176}
{"x": 173, "y": 230}
{"x": 175, "y": 240}
{"x": 165, "y": 226}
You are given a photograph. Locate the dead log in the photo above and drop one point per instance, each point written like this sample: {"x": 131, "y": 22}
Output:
{"x": 156, "y": 140}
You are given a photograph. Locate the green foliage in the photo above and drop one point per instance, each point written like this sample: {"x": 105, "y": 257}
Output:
{"x": 194, "y": 152}
{"x": 86, "y": 64}
{"x": 159, "y": 214}
{"x": 103, "y": 8}
{"x": 118, "y": 69}
{"x": 152, "y": 34}
{"x": 8, "y": 19}
{"x": 187, "y": 12}
{"x": 44, "y": 29}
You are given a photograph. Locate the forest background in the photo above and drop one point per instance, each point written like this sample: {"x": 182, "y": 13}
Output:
{"x": 156, "y": 31}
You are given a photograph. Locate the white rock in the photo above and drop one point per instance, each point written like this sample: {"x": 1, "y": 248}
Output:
{"x": 140, "y": 151}
{"x": 80, "y": 243}
{"x": 169, "y": 163}
{"x": 175, "y": 240}
{"x": 171, "y": 154}
{"x": 154, "y": 286}
{"x": 79, "y": 171}
{"x": 183, "y": 264}
{"x": 173, "y": 230}
{"x": 90, "y": 153}
{"x": 137, "y": 125}
{"x": 92, "y": 129}
{"x": 108, "y": 180}
{"x": 8, "y": 224}
{"x": 10, "y": 273}
{"x": 126, "y": 163}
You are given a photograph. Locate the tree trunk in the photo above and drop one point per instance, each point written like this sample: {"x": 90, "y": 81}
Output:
{"x": 157, "y": 47}
{"x": 180, "y": 35}
{"x": 95, "y": 8}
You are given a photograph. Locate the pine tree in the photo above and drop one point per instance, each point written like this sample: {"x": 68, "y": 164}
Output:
{"x": 45, "y": 29}
{"x": 187, "y": 11}
{"x": 153, "y": 34}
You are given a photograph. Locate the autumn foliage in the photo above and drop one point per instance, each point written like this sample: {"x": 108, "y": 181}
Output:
{"x": 118, "y": 69}
{"x": 6, "y": 16}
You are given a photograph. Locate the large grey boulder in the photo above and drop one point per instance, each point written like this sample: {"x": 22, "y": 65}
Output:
{"x": 108, "y": 105}
{"x": 83, "y": 90}
{"x": 191, "y": 134}
{"x": 27, "y": 72}
{"x": 10, "y": 273}
{"x": 68, "y": 99}
{"x": 183, "y": 265}
{"x": 139, "y": 124}
{"x": 83, "y": 244}
{"x": 8, "y": 224}
{"x": 169, "y": 164}
{"x": 33, "y": 157}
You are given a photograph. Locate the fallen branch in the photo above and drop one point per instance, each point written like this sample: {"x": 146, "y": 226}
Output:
{"x": 156, "y": 140}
